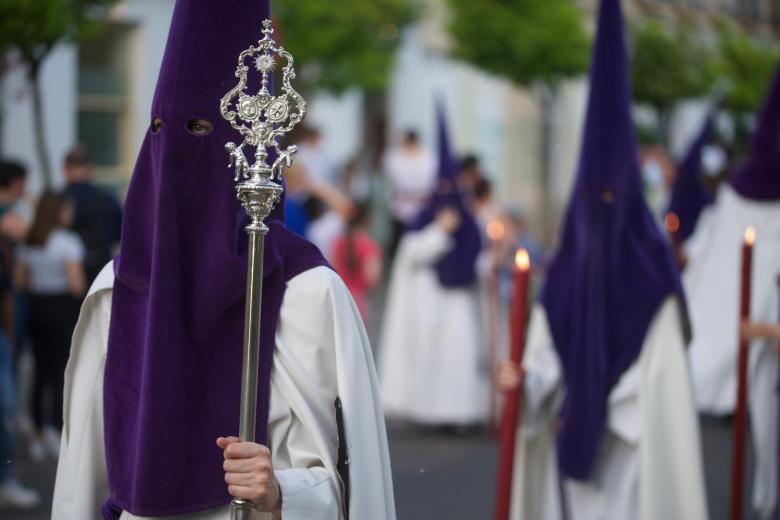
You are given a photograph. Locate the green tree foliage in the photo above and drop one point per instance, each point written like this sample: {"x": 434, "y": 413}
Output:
{"x": 527, "y": 41}
{"x": 344, "y": 43}
{"x": 664, "y": 66}
{"x": 745, "y": 65}
{"x": 33, "y": 28}
{"x": 532, "y": 43}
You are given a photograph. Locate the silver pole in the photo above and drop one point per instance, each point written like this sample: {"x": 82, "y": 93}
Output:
{"x": 262, "y": 119}
{"x": 251, "y": 367}
{"x": 242, "y": 509}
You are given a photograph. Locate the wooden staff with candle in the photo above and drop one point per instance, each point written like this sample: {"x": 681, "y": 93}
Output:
{"x": 511, "y": 416}
{"x": 740, "y": 417}
{"x": 495, "y": 232}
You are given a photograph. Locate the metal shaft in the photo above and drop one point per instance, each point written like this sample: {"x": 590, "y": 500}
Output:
{"x": 242, "y": 509}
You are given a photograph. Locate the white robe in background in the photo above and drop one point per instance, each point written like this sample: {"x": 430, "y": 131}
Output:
{"x": 649, "y": 465}
{"x": 712, "y": 285}
{"x": 432, "y": 361}
{"x": 322, "y": 353}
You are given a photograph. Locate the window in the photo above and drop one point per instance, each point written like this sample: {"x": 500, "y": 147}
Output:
{"x": 103, "y": 100}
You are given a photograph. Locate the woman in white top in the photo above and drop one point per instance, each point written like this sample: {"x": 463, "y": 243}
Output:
{"x": 50, "y": 268}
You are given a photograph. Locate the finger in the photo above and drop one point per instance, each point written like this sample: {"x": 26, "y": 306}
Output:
{"x": 247, "y": 479}
{"x": 246, "y": 450}
{"x": 252, "y": 465}
{"x": 224, "y": 442}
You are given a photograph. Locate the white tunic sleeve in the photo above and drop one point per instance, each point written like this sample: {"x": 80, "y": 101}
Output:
{"x": 425, "y": 246}
{"x": 322, "y": 353}
{"x": 671, "y": 479}
{"x": 82, "y": 484}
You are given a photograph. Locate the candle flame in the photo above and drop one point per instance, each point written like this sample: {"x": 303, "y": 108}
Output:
{"x": 672, "y": 222}
{"x": 522, "y": 260}
{"x": 750, "y": 235}
{"x": 495, "y": 230}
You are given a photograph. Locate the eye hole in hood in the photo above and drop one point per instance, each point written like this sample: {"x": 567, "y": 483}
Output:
{"x": 199, "y": 127}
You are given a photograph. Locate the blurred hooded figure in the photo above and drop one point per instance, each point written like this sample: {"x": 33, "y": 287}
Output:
{"x": 712, "y": 283}
{"x": 431, "y": 356}
{"x": 152, "y": 387}
{"x": 609, "y": 430}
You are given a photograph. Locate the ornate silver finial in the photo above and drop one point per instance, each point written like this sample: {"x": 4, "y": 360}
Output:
{"x": 262, "y": 119}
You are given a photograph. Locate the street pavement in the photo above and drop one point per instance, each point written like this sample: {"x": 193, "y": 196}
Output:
{"x": 443, "y": 474}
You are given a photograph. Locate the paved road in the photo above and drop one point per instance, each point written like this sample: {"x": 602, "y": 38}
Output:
{"x": 441, "y": 475}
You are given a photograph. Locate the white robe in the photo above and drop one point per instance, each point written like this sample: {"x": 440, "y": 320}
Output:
{"x": 649, "y": 466}
{"x": 432, "y": 362}
{"x": 712, "y": 285}
{"x": 322, "y": 353}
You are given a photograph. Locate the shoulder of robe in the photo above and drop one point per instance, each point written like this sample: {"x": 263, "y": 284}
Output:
{"x": 310, "y": 290}
{"x": 104, "y": 280}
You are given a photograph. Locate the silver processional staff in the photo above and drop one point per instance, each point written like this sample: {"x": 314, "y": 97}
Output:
{"x": 261, "y": 119}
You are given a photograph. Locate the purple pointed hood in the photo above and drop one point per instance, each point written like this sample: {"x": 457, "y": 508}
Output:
{"x": 758, "y": 177}
{"x": 613, "y": 268}
{"x": 172, "y": 376}
{"x": 689, "y": 196}
{"x": 458, "y": 267}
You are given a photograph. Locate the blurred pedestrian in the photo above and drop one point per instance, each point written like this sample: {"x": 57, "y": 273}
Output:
{"x": 328, "y": 210}
{"x": 470, "y": 174}
{"x": 355, "y": 181}
{"x": 358, "y": 259}
{"x": 431, "y": 356}
{"x": 51, "y": 268}
{"x": 12, "y": 494}
{"x": 483, "y": 205}
{"x": 16, "y": 211}
{"x": 314, "y": 158}
{"x": 411, "y": 171}
{"x": 97, "y": 218}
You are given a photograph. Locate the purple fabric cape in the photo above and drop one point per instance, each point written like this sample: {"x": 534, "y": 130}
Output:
{"x": 689, "y": 196}
{"x": 458, "y": 267}
{"x": 614, "y": 268}
{"x": 173, "y": 368}
{"x": 758, "y": 178}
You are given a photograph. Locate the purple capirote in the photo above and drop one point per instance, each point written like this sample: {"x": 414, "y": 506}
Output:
{"x": 614, "y": 268}
{"x": 689, "y": 195}
{"x": 758, "y": 178}
{"x": 457, "y": 268}
{"x": 175, "y": 341}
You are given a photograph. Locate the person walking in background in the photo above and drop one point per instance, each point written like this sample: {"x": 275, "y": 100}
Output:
{"x": 97, "y": 217}
{"x": 12, "y": 494}
{"x": 358, "y": 260}
{"x": 431, "y": 358}
{"x": 314, "y": 158}
{"x": 51, "y": 268}
{"x": 16, "y": 211}
{"x": 411, "y": 172}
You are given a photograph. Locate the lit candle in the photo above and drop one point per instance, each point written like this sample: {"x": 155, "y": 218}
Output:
{"x": 672, "y": 223}
{"x": 495, "y": 232}
{"x": 511, "y": 417}
{"x": 740, "y": 416}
